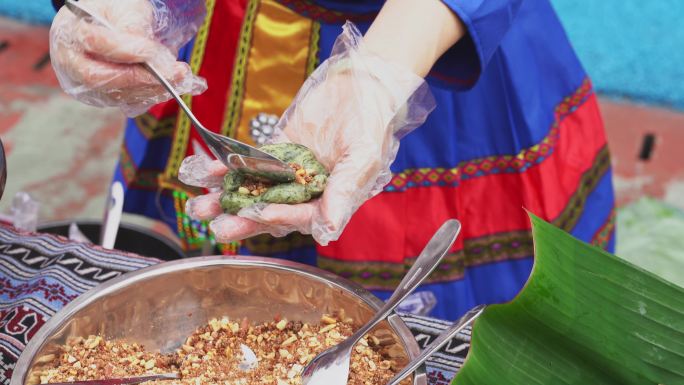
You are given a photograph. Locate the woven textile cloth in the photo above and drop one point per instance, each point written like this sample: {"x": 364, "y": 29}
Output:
{"x": 40, "y": 274}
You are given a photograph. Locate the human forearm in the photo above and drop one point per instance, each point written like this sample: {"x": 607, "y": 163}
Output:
{"x": 414, "y": 33}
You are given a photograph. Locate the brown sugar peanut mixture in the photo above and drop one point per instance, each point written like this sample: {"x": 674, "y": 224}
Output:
{"x": 256, "y": 187}
{"x": 253, "y": 186}
{"x": 213, "y": 354}
{"x": 302, "y": 175}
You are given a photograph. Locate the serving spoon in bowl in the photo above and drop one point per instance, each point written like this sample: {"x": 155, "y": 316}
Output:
{"x": 125, "y": 380}
{"x": 234, "y": 154}
{"x": 331, "y": 367}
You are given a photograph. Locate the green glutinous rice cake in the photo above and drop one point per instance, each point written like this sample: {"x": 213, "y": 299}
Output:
{"x": 241, "y": 190}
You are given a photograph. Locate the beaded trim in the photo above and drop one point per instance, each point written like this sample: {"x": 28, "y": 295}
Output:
{"x": 518, "y": 163}
{"x": 606, "y": 232}
{"x": 590, "y": 179}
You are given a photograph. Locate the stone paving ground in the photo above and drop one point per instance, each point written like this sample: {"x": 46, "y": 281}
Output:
{"x": 63, "y": 152}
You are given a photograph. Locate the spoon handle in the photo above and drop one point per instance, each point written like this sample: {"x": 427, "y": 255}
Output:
{"x": 445, "y": 337}
{"x": 201, "y": 130}
{"x": 3, "y": 169}
{"x": 426, "y": 262}
{"x": 176, "y": 96}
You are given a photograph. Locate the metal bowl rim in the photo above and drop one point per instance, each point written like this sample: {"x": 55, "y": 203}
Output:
{"x": 124, "y": 280}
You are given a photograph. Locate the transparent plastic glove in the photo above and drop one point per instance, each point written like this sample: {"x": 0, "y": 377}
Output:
{"x": 98, "y": 66}
{"x": 351, "y": 112}
{"x": 25, "y": 211}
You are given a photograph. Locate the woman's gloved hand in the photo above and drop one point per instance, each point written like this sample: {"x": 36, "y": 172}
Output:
{"x": 351, "y": 113}
{"x": 98, "y": 66}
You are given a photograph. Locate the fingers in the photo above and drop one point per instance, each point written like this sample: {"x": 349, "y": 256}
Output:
{"x": 118, "y": 46}
{"x": 185, "y": 81}
{"x": 124, "y": 85}
{"x": 334, "y": 214}
{"x": 200, "y": 171}
{"x": 101, "y": 67}
{"x": 94, "y": 73}
{"x": 103, "y": 45}
{"x": 204, "y": 207}
{"x": 349, "y": 186}
{"x": 227, "y": 228}
{"x": 281, "y": 218}
{"x": 277, "y": 220}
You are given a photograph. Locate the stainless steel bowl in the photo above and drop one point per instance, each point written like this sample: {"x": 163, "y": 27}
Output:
{"x": 161, "y": 305}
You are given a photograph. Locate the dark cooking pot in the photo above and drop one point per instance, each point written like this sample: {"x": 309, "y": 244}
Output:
{"x": 130, "y": 238}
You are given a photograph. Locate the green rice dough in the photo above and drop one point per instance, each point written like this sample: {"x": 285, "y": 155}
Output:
{"x": 295, "y": 153}
{"x": 293, "y": 192}
{"x": 233, "y": 180}
{"x": 232, "y": 201}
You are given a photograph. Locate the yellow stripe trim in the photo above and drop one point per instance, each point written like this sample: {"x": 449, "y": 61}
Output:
{"x": 273, "y": 61}
{"x": 314, "y": 40}
{"x": 179, "y": 146}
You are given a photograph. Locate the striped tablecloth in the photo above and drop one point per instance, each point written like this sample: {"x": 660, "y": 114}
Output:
{"x": 39, "y": 274}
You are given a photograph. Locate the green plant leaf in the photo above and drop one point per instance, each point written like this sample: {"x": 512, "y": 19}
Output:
{"x": 584, "y": 317}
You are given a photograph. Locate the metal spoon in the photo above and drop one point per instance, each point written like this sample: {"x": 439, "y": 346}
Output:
{"x": 125, "y": 380}
{"x": 332, "y": 366}
{"x": 233, "y": 153}
{"x": 443, "y": 338}
{"x": 3, "y": 169}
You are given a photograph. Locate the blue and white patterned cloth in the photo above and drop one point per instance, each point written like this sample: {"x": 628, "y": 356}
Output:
{"x": 40, "y": 274}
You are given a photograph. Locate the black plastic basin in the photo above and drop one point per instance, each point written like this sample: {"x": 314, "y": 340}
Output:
{"x": 131, "y": 238}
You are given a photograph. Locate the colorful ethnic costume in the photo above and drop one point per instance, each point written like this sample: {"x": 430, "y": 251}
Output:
{"x": 517, "y": 126}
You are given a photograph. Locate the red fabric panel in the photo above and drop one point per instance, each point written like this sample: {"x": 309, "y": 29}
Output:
{"x": 395, "y": 225}
{"x": 217, "y": 66}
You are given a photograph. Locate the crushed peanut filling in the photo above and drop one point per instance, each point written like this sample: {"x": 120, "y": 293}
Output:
{"x": 253, "y": 187}
{"x": 302, "y": 175}
{"x": 213, "y": 355}
{"x": 256, "y": 187}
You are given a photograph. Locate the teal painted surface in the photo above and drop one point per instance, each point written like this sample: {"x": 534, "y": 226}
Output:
{"x": 31, "y": 11}
{"x": 631, "y": 48}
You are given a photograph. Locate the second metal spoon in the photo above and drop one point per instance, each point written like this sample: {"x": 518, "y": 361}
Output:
{"x": 332, "y": 366}
{"x": 467, "y": 319}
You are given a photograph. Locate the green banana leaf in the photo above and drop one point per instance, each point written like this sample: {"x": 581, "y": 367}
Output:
{"x": 584, "y": 317}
